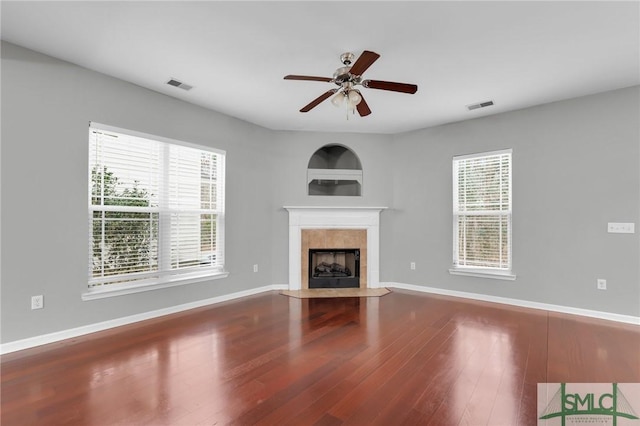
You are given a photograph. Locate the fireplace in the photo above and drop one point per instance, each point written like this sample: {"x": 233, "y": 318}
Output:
{"x": 334, "y": 268}
{"x": 333, "y": 228}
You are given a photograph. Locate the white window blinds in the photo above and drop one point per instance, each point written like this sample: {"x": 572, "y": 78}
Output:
{"x": 156, "y": 209}
{"x": 482, "y": 211}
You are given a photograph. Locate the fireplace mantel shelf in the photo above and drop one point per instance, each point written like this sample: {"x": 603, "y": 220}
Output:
{"x": 296, "y": 208}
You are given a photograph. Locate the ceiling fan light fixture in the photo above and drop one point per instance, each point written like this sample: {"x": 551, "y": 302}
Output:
{"x": 354, "y": 97}
{"x": 338, "y": 99}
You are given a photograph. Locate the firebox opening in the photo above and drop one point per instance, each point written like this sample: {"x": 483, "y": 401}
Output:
{"x": 334, "y": 268}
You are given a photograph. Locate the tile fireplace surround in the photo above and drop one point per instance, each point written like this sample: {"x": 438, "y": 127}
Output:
{"x": 334, "y": 219}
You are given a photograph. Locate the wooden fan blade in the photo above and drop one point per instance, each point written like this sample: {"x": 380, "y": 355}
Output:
{"x": 308, "y": 78}
{"x": 363, "y": 62}
{"x": 362, "y": 107}
{"x": 390, "y": 85}
{"x": 317, "y": 100}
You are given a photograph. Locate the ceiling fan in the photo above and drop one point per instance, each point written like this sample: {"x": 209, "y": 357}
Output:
{"x": 349, "y": 76}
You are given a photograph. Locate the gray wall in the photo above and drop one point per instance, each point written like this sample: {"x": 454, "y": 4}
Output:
{"x": 291, "y": 157}
{"x": 46, "y": 108}
{"x": 575, "y": 167}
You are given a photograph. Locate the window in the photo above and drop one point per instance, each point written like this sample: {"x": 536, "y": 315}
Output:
{"x": 482, "y": 214}
{"x": 156, "y": 211}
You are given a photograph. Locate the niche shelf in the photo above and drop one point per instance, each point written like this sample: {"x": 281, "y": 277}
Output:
{"x": 334, "y": 170}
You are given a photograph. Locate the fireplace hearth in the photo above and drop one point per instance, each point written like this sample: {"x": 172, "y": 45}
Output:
{"x": 334, "y": 268}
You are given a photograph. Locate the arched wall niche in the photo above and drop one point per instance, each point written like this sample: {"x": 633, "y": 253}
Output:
{"x": 334, "y": 170}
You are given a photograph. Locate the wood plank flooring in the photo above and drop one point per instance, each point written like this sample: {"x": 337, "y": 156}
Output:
{"x": 403, "y": 359}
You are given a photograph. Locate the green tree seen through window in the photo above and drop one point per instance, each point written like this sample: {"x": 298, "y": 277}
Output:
{"x": 123, "y": 241}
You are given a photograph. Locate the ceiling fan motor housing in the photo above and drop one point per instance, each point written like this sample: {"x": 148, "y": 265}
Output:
{"x": 342, "y": 75}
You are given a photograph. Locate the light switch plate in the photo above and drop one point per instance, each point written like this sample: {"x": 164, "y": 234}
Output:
{"x": 621, "y": 228}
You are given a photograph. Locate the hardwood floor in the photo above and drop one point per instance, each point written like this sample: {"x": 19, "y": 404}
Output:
{"x": 404, "y": 358}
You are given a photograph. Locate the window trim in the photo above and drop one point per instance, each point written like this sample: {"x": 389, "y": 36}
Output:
{"x": 122, "y": 289}
{"x": 481, "y": 273}
{"x": 165, "y": 278}
{"x": 474, "y": 271}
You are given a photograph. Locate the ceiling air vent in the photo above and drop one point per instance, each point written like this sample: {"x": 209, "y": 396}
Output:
{"x": 480, "y": 105}
{"x": 181, "y": 85}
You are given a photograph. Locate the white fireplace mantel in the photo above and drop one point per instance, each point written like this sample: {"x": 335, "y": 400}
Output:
{"x": 324, "y": 217}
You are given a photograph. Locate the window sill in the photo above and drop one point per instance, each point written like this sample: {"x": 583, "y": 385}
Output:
{"x": 132, "y": 288}
{"x": 481, "y": 273}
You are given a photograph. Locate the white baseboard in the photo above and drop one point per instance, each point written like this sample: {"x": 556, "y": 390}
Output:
{"x": 629, "y": 319}
{"x": 44, "y": 339}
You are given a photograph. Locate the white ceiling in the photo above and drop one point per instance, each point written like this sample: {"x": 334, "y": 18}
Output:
{"x": 235, "y": 54}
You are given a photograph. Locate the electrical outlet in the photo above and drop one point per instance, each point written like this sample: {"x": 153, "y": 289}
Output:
{"x": 37, "y": 302}
{"x": 413, "y": 265}
{"x": 602, "y": 284}
{"x": 255, "y": 268}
